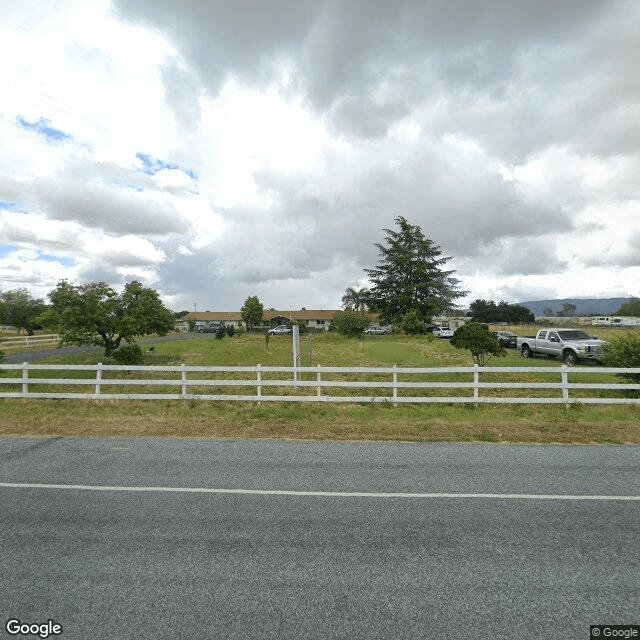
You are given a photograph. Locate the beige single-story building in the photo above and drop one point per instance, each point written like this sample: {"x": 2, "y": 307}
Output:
{"x": 316, "y": 320}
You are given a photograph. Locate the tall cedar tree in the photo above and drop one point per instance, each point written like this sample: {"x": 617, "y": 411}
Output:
{"x": 409, "y": 276}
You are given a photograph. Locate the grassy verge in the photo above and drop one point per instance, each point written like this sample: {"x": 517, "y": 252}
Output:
{"x": 429, "y": 423}
{"x": 412, "y": 423}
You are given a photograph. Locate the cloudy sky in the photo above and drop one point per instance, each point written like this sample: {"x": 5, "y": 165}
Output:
{"x": 216, "y": 149}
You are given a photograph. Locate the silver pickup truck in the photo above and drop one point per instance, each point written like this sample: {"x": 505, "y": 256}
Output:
{"x": 572, "y": 345}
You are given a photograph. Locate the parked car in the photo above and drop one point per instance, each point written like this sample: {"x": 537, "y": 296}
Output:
{"x": 378, "y": 330}
{"x": 506, "y": 339}
{"x": 443, "y": 332}
{"x": 280, "y": 330}
{"x": 210, "y": 328}
{"x": 572, "y": 345}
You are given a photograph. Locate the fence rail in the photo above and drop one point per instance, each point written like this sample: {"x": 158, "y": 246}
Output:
{"x": 29, "y": 341}
{"x": 396, "y": 385}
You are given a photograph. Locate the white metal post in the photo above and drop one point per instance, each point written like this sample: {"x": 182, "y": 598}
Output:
{"x": 476, "y": 381}
{"x": 98, "y": 378}
{"x": 395, "y": 385}
{"x": 183, "y": 372}
{"x": 565, "y": 384}
{"x": 25, "y": 379}
{"x": 296, "y": 354}
{"x": 258, "y": 385}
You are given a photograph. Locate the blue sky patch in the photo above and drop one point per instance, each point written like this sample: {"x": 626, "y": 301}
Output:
{"x": 66, "y": 262}
{"x": 153, "y": 165}
{"x": 6, "y": 249}
{"x": 11, "y": 206}
{"x": 43, "y": 128}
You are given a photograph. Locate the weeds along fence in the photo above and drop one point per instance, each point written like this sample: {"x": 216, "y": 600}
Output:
{"x": 393, "y": 385}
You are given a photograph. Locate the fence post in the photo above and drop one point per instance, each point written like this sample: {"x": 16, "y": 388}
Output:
{"x": 395, "y": 385}
{"x": 258, "y": 385}
{"x": 98, "y": 378}
{"x": 25, "y": 379}
{"x": 565, "y": 384}
{"x": 183, "y": 371}
{"x": 476, "y": 381}
{"x": 318, "y": 380}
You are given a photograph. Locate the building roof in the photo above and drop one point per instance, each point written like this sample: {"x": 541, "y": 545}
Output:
{"x": 269, "y": 314}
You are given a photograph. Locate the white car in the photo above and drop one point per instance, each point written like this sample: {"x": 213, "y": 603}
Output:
{"x": 280, "y": 330}
{"x": 443, "y": 332}
{"x": 378, "y": 330}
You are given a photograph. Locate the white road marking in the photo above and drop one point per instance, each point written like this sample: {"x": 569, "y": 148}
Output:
{"x": 328, "y": 494}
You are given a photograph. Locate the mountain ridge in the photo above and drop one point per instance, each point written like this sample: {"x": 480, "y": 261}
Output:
{"x": 584, "y": 306}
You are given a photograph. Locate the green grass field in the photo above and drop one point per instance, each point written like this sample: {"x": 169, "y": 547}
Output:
{"x": 412, "y": 423}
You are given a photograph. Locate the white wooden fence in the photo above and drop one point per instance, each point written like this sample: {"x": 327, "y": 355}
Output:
{"x": 393, "y": 385}
{"x": 29, "y": 341}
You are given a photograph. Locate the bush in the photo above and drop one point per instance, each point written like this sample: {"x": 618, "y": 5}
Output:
{"x": 129, "y": 354}
{"x": 350, "y": 323}
{"x": 479, "y": 340}
{"x": 240, "y": 331}
{"x": 231, "y": 330}
{"x": 302, "y": 328}
{"x": 624, "y": 351}
{"x": 412, "y": 323}
{"x": 221, "y": 332}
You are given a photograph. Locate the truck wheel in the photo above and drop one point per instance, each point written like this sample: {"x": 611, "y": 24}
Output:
{"x": 569, "y": 357}
{"x": 526, "y": 352}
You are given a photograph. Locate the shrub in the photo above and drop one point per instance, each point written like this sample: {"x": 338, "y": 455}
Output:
{"x": 231, "y": 330}
{"x": 350, "y": 323}
{"x": 240, "y": 331}
{"x": 221, "y": 332}
{"x": 129, "y": 354}
{"x": 624, "y": 351}
{"x": 479, "y": 340}
{"x": 302, "y": 328}
{"x": 412, "y": 323}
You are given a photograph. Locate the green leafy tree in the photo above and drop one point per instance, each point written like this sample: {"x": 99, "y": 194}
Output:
{"x": 95, "y": 314}
{"x": 630, "y": 308}
{"x": 357, "y": 299}
{"x": 489, "y": 311}
{"x": 479, "y": 340}
{"x": 410, "y": 276}
{"x": 252, "y": 312}
{"x": 350, "y": 323}
{"x": 412, "y": 323}
{"x": 20, "y": 310}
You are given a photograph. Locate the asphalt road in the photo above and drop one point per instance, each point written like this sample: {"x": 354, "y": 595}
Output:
{"x": 247, "y": 539}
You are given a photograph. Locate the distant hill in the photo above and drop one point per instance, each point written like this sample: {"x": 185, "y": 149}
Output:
{"x": 584, "y": 306}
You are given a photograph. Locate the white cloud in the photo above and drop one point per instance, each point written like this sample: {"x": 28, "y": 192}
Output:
{"x": 220, "y": 150}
